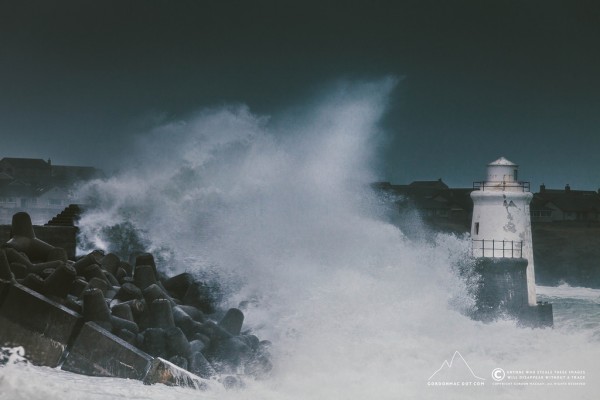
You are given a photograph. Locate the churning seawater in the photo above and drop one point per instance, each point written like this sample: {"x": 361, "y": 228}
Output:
{"x": 280, "y": 212}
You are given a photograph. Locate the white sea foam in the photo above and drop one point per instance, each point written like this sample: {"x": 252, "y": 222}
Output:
{"x": 280, "y": 210}
{"x": 564, "y": 291}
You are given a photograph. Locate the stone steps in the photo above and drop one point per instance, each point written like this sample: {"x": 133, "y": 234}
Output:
{"x": 67, "y": 217}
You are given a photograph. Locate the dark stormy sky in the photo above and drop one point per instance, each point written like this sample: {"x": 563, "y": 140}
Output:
{"x": 478, "y": 79}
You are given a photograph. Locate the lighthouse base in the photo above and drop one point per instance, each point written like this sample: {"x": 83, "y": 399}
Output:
{"x": 502, "y": 292}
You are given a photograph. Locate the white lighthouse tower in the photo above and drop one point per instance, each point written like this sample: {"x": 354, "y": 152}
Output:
{"x": 501, "y": 224}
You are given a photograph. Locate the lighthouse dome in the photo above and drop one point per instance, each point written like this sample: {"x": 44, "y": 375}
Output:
{"x": 502, "y": 161}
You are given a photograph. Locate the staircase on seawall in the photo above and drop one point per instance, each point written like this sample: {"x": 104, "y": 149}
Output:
{"x": 67, "y": 217}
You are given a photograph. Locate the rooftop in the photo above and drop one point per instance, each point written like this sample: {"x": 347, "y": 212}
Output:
{"x": 26, "y": 162}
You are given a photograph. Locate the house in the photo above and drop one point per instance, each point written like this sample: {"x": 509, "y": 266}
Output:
{"x": 540, "y": 211}
{"x": 552, "y": 205}
{"x": 38, "y": 187}
{"x": 36, "y": 171}
{"x": 435, "y": 201}
{"x": 30, "y": 170}
{"x": 41, "y": 203}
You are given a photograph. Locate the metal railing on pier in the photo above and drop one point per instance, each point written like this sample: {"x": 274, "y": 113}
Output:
{"x": 497, "y": 248}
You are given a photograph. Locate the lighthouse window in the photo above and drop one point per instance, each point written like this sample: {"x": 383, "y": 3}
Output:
{"x": 515, "y": 175}
{"x": 477, "y": 228}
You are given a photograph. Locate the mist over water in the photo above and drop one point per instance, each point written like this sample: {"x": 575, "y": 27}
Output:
{"x": 281, "y": 212}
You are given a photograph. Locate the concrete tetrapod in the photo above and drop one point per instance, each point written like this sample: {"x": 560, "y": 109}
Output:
{"x": 24, "y": 240}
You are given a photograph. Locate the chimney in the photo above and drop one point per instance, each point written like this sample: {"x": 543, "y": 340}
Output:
{"x": 542, "y": 188}
{"x": 567, "y": 188}
{"x": 49, "y": 162}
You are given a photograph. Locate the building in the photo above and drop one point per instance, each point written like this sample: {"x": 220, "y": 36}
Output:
{"x": 31, "y": 170}
{"x": 439, "y": 205}
{"x": 37, "y": 172}
{"x": 38, "y": 187}
{"x": 554, "y": 205}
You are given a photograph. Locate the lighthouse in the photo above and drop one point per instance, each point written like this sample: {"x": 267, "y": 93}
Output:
{"x": 501, "y": 224}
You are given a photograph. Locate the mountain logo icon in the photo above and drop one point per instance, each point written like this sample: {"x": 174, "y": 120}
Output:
{"x": 454, "y": 369}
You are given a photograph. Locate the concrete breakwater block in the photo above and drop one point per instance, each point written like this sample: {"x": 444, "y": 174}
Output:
{"x": 167, "y": 373}
{"x": 24, "y": 240}
{"x": 232, "y": 321}
{"x": 6, "y": 274}
{"x": 97, "y": 352}
{"x": 4, "y": 286}
{"x": 43, "y": 327}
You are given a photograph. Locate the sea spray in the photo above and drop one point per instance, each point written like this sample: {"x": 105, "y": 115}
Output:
{"x": 280, "y": 209}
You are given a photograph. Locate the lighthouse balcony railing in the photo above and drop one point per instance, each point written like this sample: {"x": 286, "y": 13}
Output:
{"x": 497, "y": 248}
{"x": 503, "y": 185}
